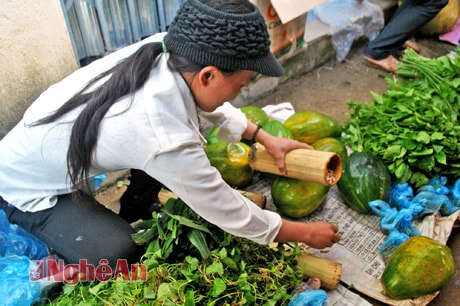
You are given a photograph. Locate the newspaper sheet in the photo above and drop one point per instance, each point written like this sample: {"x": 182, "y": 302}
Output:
{"x": 358, "y": 250}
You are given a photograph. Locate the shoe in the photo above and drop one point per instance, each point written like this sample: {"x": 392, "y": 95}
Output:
{"x": 389, "y": 64}
{"x": 411, "y": 44}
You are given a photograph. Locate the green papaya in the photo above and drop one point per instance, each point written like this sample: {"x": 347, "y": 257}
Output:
{"x": 419, "y": 266}
{"x": 255, "y": 114}
{"x": 296, "y": 198}
{"x": 364, "y": 178}
{"x": 330, "y": 144}
{"x": 232, "y": 162}
{"x": 278, "y": 129}
{"x": 309, "y": 126}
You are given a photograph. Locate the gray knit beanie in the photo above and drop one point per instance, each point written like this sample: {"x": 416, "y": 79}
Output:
{"x": 228, "y": 41}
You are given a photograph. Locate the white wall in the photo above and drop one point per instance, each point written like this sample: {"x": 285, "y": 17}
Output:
{"x": 35, "y": 52}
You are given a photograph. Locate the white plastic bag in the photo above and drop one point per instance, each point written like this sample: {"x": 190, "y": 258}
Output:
{"x": 348, "y": 21}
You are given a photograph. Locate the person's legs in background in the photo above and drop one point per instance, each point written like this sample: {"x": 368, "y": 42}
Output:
{"x": 410, "y": 16}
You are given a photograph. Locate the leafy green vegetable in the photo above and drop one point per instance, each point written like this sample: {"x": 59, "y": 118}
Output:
{"x": 192, "y": 262}
{"x": 413, "y": 126}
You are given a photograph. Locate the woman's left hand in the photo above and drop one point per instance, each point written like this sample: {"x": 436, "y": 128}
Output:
{"x": 279, "y": 147}
{"x": 276, "y": 146}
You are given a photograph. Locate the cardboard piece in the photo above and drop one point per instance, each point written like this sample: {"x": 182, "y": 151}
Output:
{"x": 287, "y": 10}
{"x": 286, "y": 21}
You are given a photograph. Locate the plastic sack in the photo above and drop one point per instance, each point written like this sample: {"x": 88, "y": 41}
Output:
{"x": 98, "y": 180}
{"x": 14, "y": 240}
{"x": 348, "y": 21}
{"x": 17, "y": 249}
{"x": 309, "y": 298}
{"x": 393, "y": 220}
{"x": 396, "y": 216}
{"x": 280, "y": 111}
{"x": 435, "y": 197}
{"x": 401, "y": 195}
{"x": 15, "y": 286}
{"x": 455, "y": 193}
{"x": 393, "y": 240}
{"x": 309, "y": 294}
{"x": 442, "y": 195}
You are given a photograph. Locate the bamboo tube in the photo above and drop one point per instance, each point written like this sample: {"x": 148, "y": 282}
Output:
{"x": 328, "y": 271}
{"x": 303, "y": 164}
{"x": 257, "y": 198}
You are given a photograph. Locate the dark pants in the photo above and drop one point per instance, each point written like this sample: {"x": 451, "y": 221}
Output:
{"x": 87, "y": 229}
{"x": 410, "y": 16}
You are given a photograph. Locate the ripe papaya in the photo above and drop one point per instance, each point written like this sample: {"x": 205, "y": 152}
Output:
{"x": 232, "y": 162}
{"x": 309, "y": 126}
{"x": 255, "y": 114}
{"x": 418, "y": 266}
{"x": 364, "y": 178}
{"x": 278, "y": 129}
{"x": 330, "y": 144}
{"x": 296, "y": 198}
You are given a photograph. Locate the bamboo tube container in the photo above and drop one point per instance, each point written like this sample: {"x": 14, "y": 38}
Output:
{"x": 260, "y": 200}
{"x": 328, "y": 271}
{"x": 303, "y": 164}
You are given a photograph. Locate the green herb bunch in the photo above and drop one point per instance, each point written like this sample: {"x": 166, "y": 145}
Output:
{"x": 192, "y": 262}
{"x": 414, "y": 126}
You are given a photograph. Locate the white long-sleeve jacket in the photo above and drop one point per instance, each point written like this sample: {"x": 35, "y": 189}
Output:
{"x": 157, "y": 132}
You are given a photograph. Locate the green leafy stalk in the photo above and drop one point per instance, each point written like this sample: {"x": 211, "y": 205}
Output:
{"x": 414, "y": 125}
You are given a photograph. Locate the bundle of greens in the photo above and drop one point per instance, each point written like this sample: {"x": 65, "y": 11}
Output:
{"x": 191, "y": 262}
{"x": 414, "y": 126}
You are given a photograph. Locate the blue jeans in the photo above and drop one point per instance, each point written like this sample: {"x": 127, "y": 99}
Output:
{"x": 410, "y": 16}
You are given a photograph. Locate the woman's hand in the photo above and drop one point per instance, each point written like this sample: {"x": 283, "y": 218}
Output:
{"x": 276, "y": 146}
{"x": 318, "y": 235}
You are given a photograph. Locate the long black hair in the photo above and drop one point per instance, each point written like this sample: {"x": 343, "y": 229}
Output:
{"x": 125, "y": 78}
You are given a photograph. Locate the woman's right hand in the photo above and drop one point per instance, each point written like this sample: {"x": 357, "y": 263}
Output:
{"x": 317, "y": 235}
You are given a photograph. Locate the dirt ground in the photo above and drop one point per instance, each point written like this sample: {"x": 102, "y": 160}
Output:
{"x": 328, "y": 89}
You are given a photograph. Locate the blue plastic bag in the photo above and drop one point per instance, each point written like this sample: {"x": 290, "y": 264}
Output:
{"x": 393, "y": 240}
{"x": 14, "y": 240}
{"x": 15, "y": 286}
{"x": 98, "y": 180}
{"x": 393, "y": 220}
{"x": 403, "y": 207}
{"x": 401, "y": 195}
{"x": 449, "y": 196}
{"x": 309, "y": 298}
{"x": 17, "y": 250}
{"x": 309, "y": 294}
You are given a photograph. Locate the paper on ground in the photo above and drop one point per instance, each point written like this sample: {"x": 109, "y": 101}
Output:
{"x": 358, "y": 251}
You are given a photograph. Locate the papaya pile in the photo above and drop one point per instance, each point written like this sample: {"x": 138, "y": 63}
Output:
{"x": 297, "y": 198}
{"x": 293, "y": 198}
